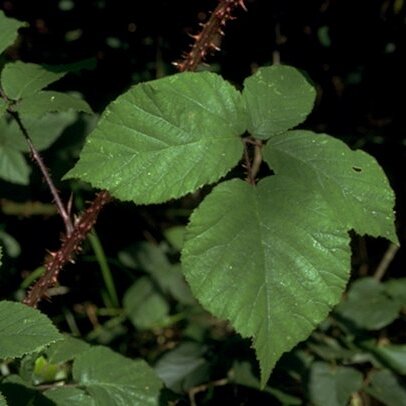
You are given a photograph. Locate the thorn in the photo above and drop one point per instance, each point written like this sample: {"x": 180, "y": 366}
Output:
{"x": 242, "y": 5}
{"x": 51, "y": 253}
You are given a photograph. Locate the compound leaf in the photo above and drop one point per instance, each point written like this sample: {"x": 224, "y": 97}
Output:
{"x": 21, "y": 79}
{"x": 283, "y": 244}
{"x": 112, "y": 379}
{"x": 277, "y": 98}
{"x": 165, "y": 138}
{"x": 23, "y": 330}
{"x": 8, "y": 31}
{"x": 352, "y": 182}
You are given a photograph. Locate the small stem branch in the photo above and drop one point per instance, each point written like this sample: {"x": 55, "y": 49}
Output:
{"x": 205, "y": 41}
{"x": 45, "y": 173}
{"x": 386, "y": 261}
{"x": 254, "y": 165}
{"x": 247, "y": 160}
{"x": 71, "y": 245}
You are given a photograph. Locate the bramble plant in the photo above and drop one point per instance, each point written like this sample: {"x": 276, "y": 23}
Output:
{"x": 270, "y": 253}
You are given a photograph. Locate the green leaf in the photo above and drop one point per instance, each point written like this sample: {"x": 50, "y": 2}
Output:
{"x": 45, "y": 371}
{"x": 396, "y": 289}
{"x": 352, "y": 182}
{"x": 2, "y": 400}
{"x": 283, "y": 245}
{"x": 152, "y": 259}
{"x": 386, "y": 387}
{"x": 165, "y": 138}
{"x": 69, "y": 397}
{"x": 66, "y": 349}
{"x": 13, "y": 167}
{"x": 3, "y": 108}
{"x": 277, "y": 98}
{"x": 50, "y": 101}
{"x": 184, "y": 367}
{"x": 368, "y": 306}
{"x": 21, "y": 79}
{"x": 175, "y": 236}
{"x": 23, "y": 330}
{"x": 113, "y": 380}
{"x": 145, "y": 307}
{"x": 8, "y": 31}
{"x": 393, "y": 356}
{"x": 333, "y": 385}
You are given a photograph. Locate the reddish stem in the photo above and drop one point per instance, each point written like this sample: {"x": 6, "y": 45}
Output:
{"x": 205, "y": 40}
{"x": 71, "y": 245}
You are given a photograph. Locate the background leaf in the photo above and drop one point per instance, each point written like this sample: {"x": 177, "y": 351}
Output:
{"x": 283, "y": 245}
{"x": 396, "y": 288}
{"x": 49, "y": 101}
{"x": 3, "y": 108}
{"x": 184, "y": 367}
{"x": 333, "y": 385}
{"x": 23, "y": 330}
{"x": 165, "y": 138}
{"x": 392, "y": 356}
{"x": 21, "y": 79}
{"x": 13, "y": 167}
{"x": 8, "y": 31}
{"x": 386, "y": 387}
{"x": 352, "y": 182}
{"x": 368, "y": 306}
{"x": 278, "y": 98}
{"x": 2, "y": 400}
{"x": 145, "y": 307}
{"x": 112, "y": 379}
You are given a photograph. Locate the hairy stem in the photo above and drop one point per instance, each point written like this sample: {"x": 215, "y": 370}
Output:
{"x": 45, "y": 173}
{"x": 205, "y": 41}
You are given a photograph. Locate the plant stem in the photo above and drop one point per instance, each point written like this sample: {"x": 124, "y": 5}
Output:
{"x": 45, "y": 173}
{"x": 104, "y": 267}
{"x": 385, "y": 261}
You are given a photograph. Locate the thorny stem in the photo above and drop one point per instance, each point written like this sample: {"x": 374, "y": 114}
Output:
{"x": 71, "y": 245}
{"x": 45, "y": 173}
{"x": 205, "y": 41}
